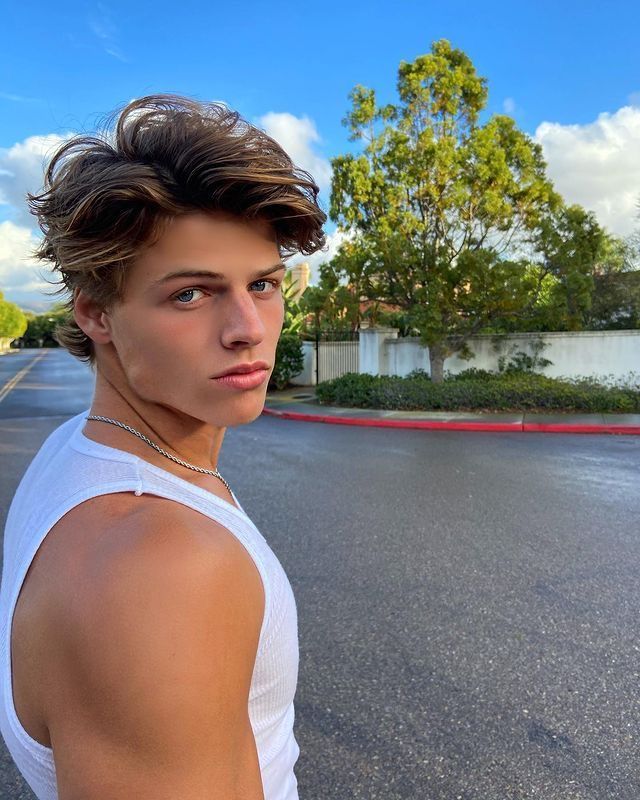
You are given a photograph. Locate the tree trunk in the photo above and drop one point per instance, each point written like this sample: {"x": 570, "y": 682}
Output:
{"x": 436, "y": 362}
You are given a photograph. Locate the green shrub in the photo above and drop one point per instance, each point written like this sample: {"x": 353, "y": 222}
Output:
{"x": 525, "y": 362}
{"x": 422, "y": 374}
{"x": 350, "y": 389}
{"x": 477, "y": 390}
{"x": 472, "y": 373}
{"x": 289, "y": 361}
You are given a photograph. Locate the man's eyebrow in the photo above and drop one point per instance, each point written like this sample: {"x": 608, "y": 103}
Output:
{"x": 205, "y": 273}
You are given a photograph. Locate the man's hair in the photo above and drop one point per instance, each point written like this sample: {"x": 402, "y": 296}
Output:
{"x": 108, "y": 196}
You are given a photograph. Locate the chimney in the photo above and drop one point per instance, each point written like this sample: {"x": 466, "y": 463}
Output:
{"x": 300, "y": 275}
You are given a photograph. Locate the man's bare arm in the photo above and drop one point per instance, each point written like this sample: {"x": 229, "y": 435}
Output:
{"x": 159, "y": 650}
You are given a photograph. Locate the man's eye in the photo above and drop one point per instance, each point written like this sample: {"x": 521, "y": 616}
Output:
{"x": 187, "y": 296}
{"x": 273, "y": 283}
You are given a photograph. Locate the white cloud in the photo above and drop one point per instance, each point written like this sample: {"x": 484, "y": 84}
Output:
{"x": 22, "y": 277}
{"x": 298, "y": 135}
{"x": 22, "y": 170}
{"x": 598, "y": 165}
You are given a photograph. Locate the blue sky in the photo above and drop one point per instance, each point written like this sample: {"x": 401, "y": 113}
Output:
{"x": 568, "y": 72}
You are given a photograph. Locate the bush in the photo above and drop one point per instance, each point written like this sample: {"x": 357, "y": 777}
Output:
{"x": 422, "y": 374}
{"x": 477, "y": 390}
{"x": 289, "y": 361}
{"x": 350, "y": 389}
{"x": 473, "y": 373}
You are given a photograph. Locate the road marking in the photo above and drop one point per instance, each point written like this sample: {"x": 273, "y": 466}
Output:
{"x": 13, "y": 382}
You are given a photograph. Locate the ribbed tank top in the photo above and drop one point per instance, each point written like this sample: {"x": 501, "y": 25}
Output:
{"x": 68, "y": 469}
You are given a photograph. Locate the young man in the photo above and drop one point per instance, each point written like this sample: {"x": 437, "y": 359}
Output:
{"x": 149, "y": 633}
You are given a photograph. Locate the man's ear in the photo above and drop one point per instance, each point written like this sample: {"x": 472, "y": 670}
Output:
{"x": 91, "y": 318}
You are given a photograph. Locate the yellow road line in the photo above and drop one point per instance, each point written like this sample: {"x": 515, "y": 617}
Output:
{"x": 13, "y": 382}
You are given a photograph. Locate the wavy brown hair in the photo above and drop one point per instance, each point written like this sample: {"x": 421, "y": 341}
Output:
{"x": 109, "y": 195}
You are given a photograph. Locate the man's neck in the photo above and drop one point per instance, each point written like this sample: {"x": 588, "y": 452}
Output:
{"x": 186, "y": 437}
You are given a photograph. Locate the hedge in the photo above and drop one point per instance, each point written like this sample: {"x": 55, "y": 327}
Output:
{"x": 477, "y": 390}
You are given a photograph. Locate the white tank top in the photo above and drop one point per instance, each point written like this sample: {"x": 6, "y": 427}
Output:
{"x": 69, "y": 469}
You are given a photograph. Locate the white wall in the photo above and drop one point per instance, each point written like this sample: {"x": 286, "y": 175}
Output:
{"x": 588, "y": 353}
{"x": 583, "y": 353}
{"x": 375, "y": 351}
{"x": 308, "y": 375}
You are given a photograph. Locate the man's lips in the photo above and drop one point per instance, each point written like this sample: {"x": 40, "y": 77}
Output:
{"x": 245, "y": 380}
{"x": 243, "y": 369}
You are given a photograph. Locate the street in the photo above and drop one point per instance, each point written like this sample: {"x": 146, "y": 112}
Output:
{"x": 468, "y": 602}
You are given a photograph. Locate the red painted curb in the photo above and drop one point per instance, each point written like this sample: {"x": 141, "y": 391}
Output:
{"x": 434, "y": 425}
{"x": 539, "y": 427}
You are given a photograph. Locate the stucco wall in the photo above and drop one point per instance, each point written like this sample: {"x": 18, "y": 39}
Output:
{"x": 589, "y": 353}
{"x": 308, "y": 375}
{"x": 584, "y": 353}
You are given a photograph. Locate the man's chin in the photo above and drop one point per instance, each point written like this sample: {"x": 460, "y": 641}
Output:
{"x": 239, "y": 413}
{"x": 249, "y": 416}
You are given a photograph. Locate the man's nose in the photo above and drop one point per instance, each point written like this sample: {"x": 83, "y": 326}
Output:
{"x": 242, "y": 322}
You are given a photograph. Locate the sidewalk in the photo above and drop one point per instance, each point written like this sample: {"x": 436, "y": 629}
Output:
{"x": 299, "y": 403}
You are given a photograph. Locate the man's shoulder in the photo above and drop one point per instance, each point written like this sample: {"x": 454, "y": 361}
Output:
{"x": 126, "y": 516}
{"x": 117, "y": 544}
{"x": 149, "y": 563}
{"x": 152, "y": 531}
{"x": 160, "y": 625}
{"x": 123, "y": 526}
{"x": 152, "y": 538}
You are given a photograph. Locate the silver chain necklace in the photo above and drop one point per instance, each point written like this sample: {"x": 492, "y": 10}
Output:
{"x": 162, "y": 452}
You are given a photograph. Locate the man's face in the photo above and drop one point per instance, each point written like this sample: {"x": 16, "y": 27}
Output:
{"x": 203, "y": 299}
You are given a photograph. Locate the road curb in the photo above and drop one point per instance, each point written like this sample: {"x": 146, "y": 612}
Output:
{"x": 538, "y": 427}
{"x": 435, "y": 425}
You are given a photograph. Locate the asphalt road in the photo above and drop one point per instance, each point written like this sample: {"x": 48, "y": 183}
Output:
{"x": 468, "y": 602}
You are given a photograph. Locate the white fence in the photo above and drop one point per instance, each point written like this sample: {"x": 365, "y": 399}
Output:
{"x": 332, "y": 355}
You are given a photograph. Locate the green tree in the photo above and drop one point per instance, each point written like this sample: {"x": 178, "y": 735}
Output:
{"x": 443, "y": 210}
{"x": 573, "y": 252}
{"x": 332, "y": 304}
{"x": 573, "y": 247}
{"x": 13, "y": 322}
{"x": 41, "y": 328}
{"x": 615, "y": 301}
